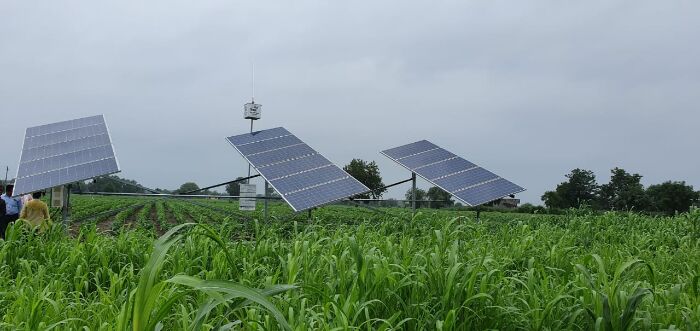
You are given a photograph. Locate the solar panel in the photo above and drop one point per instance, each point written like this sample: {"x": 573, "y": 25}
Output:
{"x": 465, "y": 180}
{"x": 303, "y": 177}
{"x": 65, "y": 152}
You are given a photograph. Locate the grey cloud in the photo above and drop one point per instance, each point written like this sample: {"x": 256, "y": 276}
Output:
{"x": 529, "y": 90}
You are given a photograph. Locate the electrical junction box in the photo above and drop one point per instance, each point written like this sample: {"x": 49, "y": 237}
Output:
{"x": 247, "y": 202}
{"x": 252, "y": 111}
{"x": 57, "y": 196}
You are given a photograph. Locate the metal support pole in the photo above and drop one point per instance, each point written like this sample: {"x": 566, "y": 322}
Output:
{"x": 309, "y": 214}
{"x": 251, "y": 131}
{"x": 266, "y": 200}
{"x": 478, "y": 213}
{"x": 413, "y": 193}
{"x": 217, "y": 185}
{"x": 66, "y": 204}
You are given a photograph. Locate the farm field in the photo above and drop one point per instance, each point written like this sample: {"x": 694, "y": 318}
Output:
{"x": 348, "y": 268}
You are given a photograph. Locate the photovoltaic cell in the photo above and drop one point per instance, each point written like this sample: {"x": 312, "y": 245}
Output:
{"x": 67, "y": 146}
{"x": 426, "y": 158}
{"x": 258, "y": 136}
{"x": 448, "y": 166}
{"x": 484, "y": 193}
{"x": 304, "y": 178}
{"x": 270, "y": 144}
{"x": 64, "y": 152}
{"x": 285, "y": 168}
{"x": 466, "y": 181}
{"x": 410, "y": 149}
{"x": 319, "y": 195}
{"x": 280, "y": 155}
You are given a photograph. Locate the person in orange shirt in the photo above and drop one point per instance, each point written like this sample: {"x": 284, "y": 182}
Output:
{"x": 36, "y": 213}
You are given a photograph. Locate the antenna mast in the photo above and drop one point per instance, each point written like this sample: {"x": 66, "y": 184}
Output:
{"x": 252, "y": 110}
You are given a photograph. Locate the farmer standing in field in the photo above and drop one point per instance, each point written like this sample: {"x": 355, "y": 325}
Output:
{"x": 36, "y": 213}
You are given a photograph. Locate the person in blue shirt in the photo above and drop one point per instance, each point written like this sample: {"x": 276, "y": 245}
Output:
{"x": 12, "y": 208}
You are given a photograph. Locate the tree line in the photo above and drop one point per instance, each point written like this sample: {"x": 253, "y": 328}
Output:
{"x": 623, "y": 192}
{"x": 368, "y": 173}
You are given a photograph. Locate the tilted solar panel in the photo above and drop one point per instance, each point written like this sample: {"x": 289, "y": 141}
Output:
{"x": 303, "y": 177}
{"x": 65, "y": 152}
{"x": 466, "y": 181}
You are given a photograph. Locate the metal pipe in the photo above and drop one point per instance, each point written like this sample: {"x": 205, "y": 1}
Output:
{"x": 397, "y": 183}
{"x": 168, "y": 195}
{"x": 222, "y": 184}
{"x": 397, "y": 200}
{"x": 185, "y": 193}
{"x": 251, "y": 131}
{"x": 413, "y": 193}
{"x": 266, "y": 200}
{"x": 116, "y": 179}
{"x": 66, "y": 204}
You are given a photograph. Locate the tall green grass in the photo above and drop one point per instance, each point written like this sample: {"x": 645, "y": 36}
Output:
{"x": 347, "y": 269}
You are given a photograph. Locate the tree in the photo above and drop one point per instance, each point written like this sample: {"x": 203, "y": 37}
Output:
{"x": 439, "y": 198}
{"x": 624, "y": 192}
{"x": 234, "y": 188}
{"x": 367, "y": 173}
{"x": 671, "y": 197}
{"x": 579, "y": 189}
{"x": 553, "y": 200}
{"x": 187, "y": 187}
{"x": 421, "y": 195}
{"x": 110, "y": 183}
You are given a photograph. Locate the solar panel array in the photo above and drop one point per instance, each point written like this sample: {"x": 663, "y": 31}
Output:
{"x": 466, "y": 181}
{"x": 303, "y": 177}
{"x": 64, "y": 152}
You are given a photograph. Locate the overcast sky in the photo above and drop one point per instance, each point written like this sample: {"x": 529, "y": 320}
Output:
{"x": 527, "y": 89}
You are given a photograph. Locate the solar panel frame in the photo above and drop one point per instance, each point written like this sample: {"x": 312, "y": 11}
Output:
{"x": 401, "y": 153}
{"x": 277, "y": 160}
{"x": 259, "y": 136}
{"x": 52, "y": 154}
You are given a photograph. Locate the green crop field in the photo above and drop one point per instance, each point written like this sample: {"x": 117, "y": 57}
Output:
{"x": 348, "y": 268}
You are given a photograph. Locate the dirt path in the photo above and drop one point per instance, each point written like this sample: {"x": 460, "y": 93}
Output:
{"x": 169, "y": 215}
{"x": 153, "y": 217}
{"x": 106, "y": 225}
{"x": 131, "y": 220}
{"x": 198, "y": 218}
{"x": 73, "y": 229}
